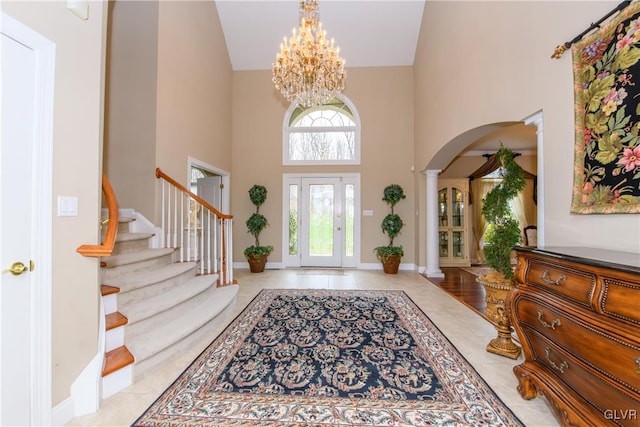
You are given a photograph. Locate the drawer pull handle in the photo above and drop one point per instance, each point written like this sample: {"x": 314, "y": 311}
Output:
{"x": 561, "y": 367}
{"x": 545, "y": 278}
{"x": 638, "y": 364}
{"x": 552, "y": 325}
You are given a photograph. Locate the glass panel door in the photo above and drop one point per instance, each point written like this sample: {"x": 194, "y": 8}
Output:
{"x": 321, "y": 222}
{"x": 443, "y": 222}
{"x": 457, "y": 223}
{"x": 453, "y": 222}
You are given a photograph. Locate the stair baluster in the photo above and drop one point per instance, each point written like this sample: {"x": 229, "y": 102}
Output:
{"x": 208, "y": 231}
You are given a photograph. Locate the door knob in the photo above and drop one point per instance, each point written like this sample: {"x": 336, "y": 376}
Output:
{"x": 17, "y": 268}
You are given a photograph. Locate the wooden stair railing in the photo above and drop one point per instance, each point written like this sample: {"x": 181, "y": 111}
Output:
{"x": 201, "y": 232}
{"x": 106, "y": 248}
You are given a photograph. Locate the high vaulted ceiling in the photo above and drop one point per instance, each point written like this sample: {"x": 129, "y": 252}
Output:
{"x": 370, "y": 33}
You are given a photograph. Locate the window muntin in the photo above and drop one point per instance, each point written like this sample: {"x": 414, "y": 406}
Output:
{"x": 326, "y": 134}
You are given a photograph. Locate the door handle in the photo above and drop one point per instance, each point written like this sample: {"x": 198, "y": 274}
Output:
{"x": 17, "y": 268}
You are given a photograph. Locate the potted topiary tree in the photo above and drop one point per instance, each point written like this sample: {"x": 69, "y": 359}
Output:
{"x": 256, "y": 254}
{"x": 503, "y": 233}
{"x": 390, "y": 255}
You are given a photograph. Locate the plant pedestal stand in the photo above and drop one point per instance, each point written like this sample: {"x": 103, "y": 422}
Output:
{"x": 496, "y": 289}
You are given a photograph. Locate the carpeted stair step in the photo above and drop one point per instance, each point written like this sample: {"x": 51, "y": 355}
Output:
{"x": 128, "y": 242}
{"x": 164, "y": 319}
{"x": 117, "y": 359}
{"x": 123, "y": 223}
{"x": 118, "y": 265}
{"x": 140, "y": 285}
{"x": 159, "y": 338}
{"x": 161, "y": 302}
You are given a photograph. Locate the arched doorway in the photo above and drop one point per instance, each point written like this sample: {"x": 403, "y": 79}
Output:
{"x": 462, "y": 155}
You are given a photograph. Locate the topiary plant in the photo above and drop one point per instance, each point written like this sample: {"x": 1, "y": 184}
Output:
{"x": 255, "y": 224}
{"x": 391, "y": 224}
{"x": 503, "y": 232}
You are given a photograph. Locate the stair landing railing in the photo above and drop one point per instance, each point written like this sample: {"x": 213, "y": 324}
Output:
{"x": 106, "y": 247}
{"x": 196, "y": 229}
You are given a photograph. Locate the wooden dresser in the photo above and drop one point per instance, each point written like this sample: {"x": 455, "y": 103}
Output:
{"x": 577, "y": 315}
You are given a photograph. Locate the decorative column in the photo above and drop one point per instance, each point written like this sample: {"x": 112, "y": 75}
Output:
{"x": 536, "y": 119}
{"x": 431, "y": 245}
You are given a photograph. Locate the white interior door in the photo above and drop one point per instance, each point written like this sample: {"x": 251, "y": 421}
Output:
{"x": 321, "y": 229}
{"x": 24, "y": 227}
{"x": 209, "y": 188}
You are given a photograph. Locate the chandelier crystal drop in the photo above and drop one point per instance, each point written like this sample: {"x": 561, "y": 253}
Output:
{"x": 309, "y": 69}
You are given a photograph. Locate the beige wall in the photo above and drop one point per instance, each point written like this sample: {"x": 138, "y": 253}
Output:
{"x": 170, "y": 96}
{"x": 386, "y": 114}
{"x": 194, "y": 89}
{"x": 77, "y": 149}
{"x": 130, "y": 134}
{"x": 481, "y": 63}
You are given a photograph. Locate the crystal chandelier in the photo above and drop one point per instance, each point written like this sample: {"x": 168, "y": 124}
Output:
{"x": 308, "y": 69}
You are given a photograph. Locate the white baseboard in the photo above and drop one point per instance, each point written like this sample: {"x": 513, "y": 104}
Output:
{"x": 85, "y": 390}
{"x": 378, "y": 266}
{"x": 361, "y": 266}
{"x": 62, "y": 413}
{"x": 113, "y": 383}
{"x": 268, "y": 266}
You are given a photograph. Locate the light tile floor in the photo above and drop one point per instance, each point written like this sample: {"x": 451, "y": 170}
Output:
{"x": 468, "y": 331}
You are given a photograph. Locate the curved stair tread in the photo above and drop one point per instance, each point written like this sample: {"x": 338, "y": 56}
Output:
{"x": 181, "y": 326}
{"x": 175, "y": 296}
{"x": 128, "y": 237}
{"x": 136, "y": 256}
{"x": 136, "y": 280}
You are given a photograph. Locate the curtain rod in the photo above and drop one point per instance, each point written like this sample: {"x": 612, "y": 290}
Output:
{"x": 560, "y": 49}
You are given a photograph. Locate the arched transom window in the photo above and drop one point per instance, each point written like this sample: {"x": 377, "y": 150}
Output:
{"x": 326, "y": 134}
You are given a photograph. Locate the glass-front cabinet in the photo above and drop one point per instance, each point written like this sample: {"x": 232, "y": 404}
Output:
{"x": 453, "y": 220}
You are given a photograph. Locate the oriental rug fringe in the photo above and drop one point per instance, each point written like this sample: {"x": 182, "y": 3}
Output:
{"x": 329, "y": 358}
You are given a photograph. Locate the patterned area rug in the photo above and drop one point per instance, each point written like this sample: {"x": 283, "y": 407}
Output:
{"x": 325, "y": 358}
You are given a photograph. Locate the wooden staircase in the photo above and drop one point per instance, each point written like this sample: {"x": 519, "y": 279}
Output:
{"x": 154, "y": 307}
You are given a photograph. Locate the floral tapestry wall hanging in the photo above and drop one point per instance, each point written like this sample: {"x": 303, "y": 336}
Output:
{"x": 606, "y": 71}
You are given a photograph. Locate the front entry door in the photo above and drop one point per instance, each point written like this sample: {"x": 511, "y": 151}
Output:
{"x": 321, "y": 222}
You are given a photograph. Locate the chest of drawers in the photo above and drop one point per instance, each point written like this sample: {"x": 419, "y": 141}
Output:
{"x": 576, "y": 312}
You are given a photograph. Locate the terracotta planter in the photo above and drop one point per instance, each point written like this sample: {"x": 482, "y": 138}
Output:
{"x": 256, "y": 265}
{"x": 391, "y": 264}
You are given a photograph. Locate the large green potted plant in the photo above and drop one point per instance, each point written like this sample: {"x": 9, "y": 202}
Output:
{"x": 256, "y": 254}
{"x": 503, "y": 233}
{"x": 392, "y": 224}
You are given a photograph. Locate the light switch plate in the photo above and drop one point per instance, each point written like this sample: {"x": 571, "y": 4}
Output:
{"x": 367, "y": 213}
{"x": 67, "y": 206}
